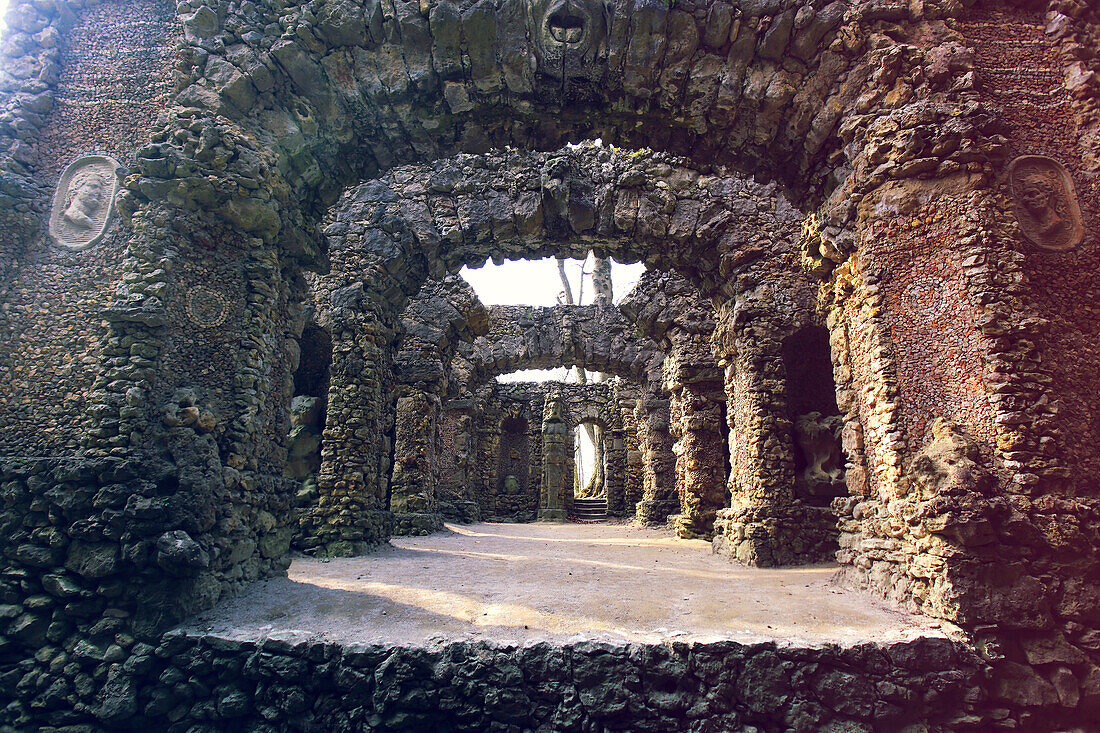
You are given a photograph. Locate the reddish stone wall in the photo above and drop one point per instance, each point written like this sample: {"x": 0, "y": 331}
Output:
{"x": 1024, "y": 74}
{"x": 931, "y": 323}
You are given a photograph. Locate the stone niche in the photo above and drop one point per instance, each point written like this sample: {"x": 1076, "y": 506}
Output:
{"x": 814, "y": 416}
{"x": 514, "y": 458}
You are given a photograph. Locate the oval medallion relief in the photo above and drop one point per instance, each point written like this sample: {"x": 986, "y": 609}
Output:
{"x": 83, "y": 202}
{"x": 1046, "y": 204}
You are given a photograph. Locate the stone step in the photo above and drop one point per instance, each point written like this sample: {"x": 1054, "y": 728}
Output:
{"x": 590, "y": 510}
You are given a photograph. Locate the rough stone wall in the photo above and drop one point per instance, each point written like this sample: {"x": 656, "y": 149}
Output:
{"x": 525, "y": 337}
{"x": 970, "y": 518}
{"x": 352, "y": 509}
{"x": 313, "y": 686}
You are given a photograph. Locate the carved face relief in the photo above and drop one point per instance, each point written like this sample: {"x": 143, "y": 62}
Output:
{"x": 83, "y": 202}
{"x": 1046, "y": 204}
{"x": 568, "y": 34}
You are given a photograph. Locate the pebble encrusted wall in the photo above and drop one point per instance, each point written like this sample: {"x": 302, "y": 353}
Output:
{"x": 67, "y": 93}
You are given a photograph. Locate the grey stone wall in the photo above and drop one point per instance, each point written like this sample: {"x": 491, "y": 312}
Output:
{"x": 291, "y": 684}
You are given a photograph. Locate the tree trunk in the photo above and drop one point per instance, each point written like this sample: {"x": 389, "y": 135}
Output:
{"x": 604, "y": 296}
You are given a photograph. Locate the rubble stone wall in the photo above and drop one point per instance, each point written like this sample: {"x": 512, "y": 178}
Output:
{"x": 236, "y": 685}
{"x": 75, "y": 81}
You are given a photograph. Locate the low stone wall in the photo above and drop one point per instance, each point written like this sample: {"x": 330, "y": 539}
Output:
{"x": 201, "y": 683}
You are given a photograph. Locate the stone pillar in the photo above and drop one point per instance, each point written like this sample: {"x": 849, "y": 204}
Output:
{"x": 351, "y": 513}
{"x": 557, "y": 448}
{"x": 413, "y": 498}
{"x": 765, "y": 525}
{"x": 700, "y": 460}
{"x": 614, "y": 481}
{"x": 633, "y": 474}
{"x": 658, "y": 462}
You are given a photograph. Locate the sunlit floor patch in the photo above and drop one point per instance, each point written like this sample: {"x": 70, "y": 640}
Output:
{"x": 516, "y": 583}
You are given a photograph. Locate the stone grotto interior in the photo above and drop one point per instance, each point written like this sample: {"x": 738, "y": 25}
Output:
{"x": 261, "y": 468}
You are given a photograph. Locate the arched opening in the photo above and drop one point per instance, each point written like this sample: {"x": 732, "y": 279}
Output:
{"x": 816, "y": 423}
{"x": 595, "y": 471}
{"x": 308, "y": 411}
{"x": 587, "y": 480}
{"x": 585, "y": 200}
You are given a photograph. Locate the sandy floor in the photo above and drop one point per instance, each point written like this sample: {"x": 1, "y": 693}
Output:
{"x": 559, "y": 582}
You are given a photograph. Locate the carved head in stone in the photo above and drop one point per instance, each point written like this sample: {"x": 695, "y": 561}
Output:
{"x": 85, "y": 196}
{"x": 568, "y": 34}
{"x": 1036, "y": 195}
{"x": 81, "y": 206}
{"x": 1046, "y": 204}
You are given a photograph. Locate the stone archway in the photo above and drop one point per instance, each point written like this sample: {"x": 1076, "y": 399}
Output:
{"x": 390, "y": 235}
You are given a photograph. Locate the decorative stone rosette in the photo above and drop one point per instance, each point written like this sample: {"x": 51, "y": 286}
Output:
{"x": 205, "y": 307}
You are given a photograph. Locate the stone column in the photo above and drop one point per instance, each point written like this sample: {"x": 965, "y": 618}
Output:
{"x": 658, "y": 462}
{"x": 557, "y": 447}
{"x": 700, "y": 460}
{"x": 765, "y": 524}
{"x": 351, "y": 513}
{"x": 614, "y": 470}
{"x": 633, "y": 475}
{"x": 413, "y": 498}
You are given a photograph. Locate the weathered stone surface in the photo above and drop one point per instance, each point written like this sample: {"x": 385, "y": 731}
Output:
{"x": 178, "y": 554}
{"x": 874, "y": 132}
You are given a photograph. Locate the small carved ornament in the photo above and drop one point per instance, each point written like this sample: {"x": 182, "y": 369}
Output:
{"x": 83, "y": 202}
{"x": 1046, "y": 204}
{"x": 205, "y": 307}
